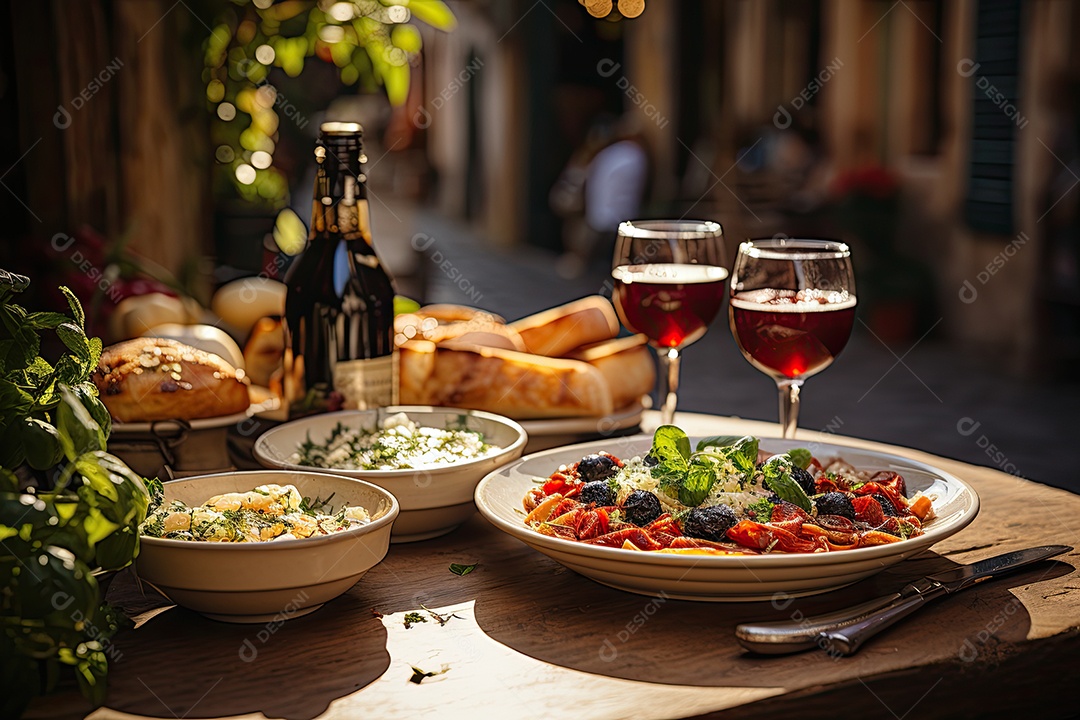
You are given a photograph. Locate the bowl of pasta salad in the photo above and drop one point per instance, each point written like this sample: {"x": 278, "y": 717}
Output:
{"x": 250, "y": 547}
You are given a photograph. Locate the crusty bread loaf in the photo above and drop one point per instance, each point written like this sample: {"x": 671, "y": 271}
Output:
{"x": 448, "y": 312}
{"x": 626, "y": 364}
{"x": 479, "y": 328}
{"x": 157, "y": 379}
{"x": 510, "y": 383}
{"x": 559, "y": 330}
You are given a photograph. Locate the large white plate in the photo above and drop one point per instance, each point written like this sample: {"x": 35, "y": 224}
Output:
{"x": 724, "y": 578}
{"x": 624, "y": 417}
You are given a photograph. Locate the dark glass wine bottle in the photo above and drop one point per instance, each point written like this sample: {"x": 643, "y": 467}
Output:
{"x": 339, "y": 307}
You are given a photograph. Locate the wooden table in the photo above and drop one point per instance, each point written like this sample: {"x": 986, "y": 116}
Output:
{"x": 530, "y": 638}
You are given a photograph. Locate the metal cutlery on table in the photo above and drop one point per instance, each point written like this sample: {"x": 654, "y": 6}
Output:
{"x": 844, "y": 631}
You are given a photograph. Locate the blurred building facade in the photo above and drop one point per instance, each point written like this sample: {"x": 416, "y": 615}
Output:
{"x": 939, "y": 137}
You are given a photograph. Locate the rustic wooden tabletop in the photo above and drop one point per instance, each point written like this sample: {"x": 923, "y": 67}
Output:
{"x": 524, "y": 637}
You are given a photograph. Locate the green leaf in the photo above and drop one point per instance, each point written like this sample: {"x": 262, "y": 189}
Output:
{"x": 717, "y": 441}
{"x": 41, "y": 441}
{"x": 75, "y": 305}
{"x": 79, "y": 432}
{"x": 670, "y": 442}
{"x": 75, "y": 339}
{"x": 700, "y": 478}
{"x": 19, "y": 343}
{"x": 87, "y": 393}
{"x": 13, "y": 281}
{"x": 46, "y": 320}
{"x": 459, "y": 569}
{"x": 435, "y": 13}
{"x": 801, "y": 457}
{"x": 777, "y": 472}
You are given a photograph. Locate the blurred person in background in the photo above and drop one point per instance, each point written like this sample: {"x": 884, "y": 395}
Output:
{"x": 602, "y": 185}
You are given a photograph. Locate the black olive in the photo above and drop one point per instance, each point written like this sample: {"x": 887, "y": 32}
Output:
{"x": 709, "y": 523}
{"x": 804, "y": 478}
{"x": 641, "y": 507}
{"x": 596, "y": 467}
{"x": 651, "y": 460}
{"x": 886, "y": 505}
{"x": 598, "y": 492}
{"x": 835, "y": 503}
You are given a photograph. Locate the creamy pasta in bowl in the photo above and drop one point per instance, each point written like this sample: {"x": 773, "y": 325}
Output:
{"x": 247, "y": 546}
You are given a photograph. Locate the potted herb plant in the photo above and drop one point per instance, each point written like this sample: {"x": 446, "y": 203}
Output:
{"x": 69, "y": 511}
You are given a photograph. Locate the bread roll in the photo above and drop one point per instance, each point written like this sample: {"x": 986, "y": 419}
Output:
{"x": 626, "y": 364}
{"x": 559, "y": 330}
{"x": 157, "y": 379}
{"x": 264, "y": 350}
{"x": 138, "y": 314}
{"x": 510, "y": 383}
{"x": 242, "y": 303}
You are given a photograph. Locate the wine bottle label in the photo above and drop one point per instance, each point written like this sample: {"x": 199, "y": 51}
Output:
{"x": 367, "y": 384}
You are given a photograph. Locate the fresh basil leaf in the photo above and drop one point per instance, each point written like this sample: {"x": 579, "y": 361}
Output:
{"x": 14, "y": 402}
{"x": 746, "y": 452}
{"x": 41, "y": 442}
{"x": 13, "y": 281}
{"x": 117, "y": 549}
{"x": 79, "y": 432}
{"x": 19, "y": 344}
{"x": 700, "y": 478}
{"x": 460, "y": 569}
{"x": 670, "y": 451}
{"x": 717, "y": 441}
{"x": 777, "y": 472}
{"x": 75, "y": 339}
{"x": 46, "y": 320}
{"x": 75, "y": 305}
{"x": 801, "y": 457}
{"x": 669, "y": 441}
{"x": 87, "y": 393}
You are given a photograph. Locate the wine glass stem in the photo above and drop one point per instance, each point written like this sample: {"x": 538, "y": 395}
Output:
{"x": 789, "y": 406}
{"x": 669, "y": 361}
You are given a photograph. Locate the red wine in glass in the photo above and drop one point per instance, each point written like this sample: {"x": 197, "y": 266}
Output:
{"x": 670, "y": 303}
{"x": 792, "y": 334}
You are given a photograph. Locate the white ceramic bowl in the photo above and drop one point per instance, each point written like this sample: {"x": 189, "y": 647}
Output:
{"x": 434, "y": 501}
{"x": 724, "y": 578}
{"x": 261, "y": 582}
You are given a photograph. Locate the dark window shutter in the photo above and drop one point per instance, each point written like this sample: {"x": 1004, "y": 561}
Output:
{"x": 995, "y": 118}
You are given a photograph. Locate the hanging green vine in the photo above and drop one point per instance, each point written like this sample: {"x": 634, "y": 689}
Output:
{"x": 370, "y": 42}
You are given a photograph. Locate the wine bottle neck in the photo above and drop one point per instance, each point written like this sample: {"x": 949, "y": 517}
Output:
{"x": 339, "y": 205}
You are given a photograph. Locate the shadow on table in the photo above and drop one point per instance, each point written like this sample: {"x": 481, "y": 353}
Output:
{"x": 180, "y": 664}
{"x": 692, "y": 643}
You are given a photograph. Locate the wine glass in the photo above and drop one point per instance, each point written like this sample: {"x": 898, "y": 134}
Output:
{"x": 668, "y": 286}
{"x": 792, "y": 309}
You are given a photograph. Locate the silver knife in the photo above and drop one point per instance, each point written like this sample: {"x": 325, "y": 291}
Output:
{"x": 843, "y": 632}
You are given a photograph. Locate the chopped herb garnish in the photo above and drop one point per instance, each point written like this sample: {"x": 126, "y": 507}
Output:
{"x": 418, "y": 675}
{"x": 441, "y": 619}
{"x": 413, "y": 618}
{"x": 459, "y": 569}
